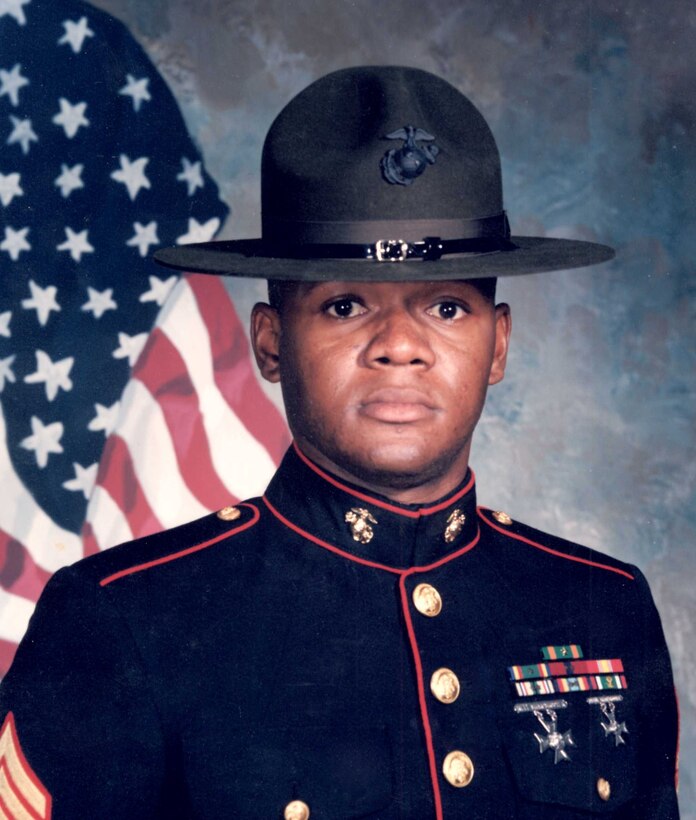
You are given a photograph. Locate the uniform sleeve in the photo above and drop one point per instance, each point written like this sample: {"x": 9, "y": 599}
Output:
{"x": 659, "y": 724}
{"x": 80, "y": 736}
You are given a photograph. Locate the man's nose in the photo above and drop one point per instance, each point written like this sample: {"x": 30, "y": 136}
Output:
{"x": 398, "y": 339}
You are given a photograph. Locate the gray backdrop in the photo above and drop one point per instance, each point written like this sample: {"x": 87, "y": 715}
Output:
{"x": 591, "y": 436}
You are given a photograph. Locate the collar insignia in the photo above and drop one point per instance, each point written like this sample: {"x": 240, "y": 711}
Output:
{"x": 360, "y": 521}
{"x": 454, "y": 525}
{"x": 401, "y": 166}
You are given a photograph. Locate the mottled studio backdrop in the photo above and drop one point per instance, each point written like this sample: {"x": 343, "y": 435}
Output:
{"x": 592, "y": 434}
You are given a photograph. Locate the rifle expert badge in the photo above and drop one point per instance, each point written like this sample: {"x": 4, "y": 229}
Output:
{"x": 401, "y": 166}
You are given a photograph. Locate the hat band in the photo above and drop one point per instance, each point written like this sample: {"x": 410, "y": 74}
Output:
{"x": 288, "y": 232}
{"x": 484, "y": 235}
{"x": 429, "y": 248}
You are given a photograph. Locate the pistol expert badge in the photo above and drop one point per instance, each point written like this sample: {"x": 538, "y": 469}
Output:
{"x": 401, "y": 166}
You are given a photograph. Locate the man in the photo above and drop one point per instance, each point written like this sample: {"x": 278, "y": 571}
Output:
{"x": 362, "y": 641}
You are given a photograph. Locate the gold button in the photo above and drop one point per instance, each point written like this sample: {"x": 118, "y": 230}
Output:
{"x": 229, "y": 513}
{"x": 296, "y": 810}
{"x": 502, "y": 518}
{"x": 444, "y": 684}
{"x": 603, "y": 789}
{"x": 427, "y": 600}
{"x": 458, "y": 769}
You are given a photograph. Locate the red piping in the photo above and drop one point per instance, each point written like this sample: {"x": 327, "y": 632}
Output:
{"x": 421, "y": 696}
{"x": 554, "y": 552}
{"x": 338, "y": 551}
{"x": 378, "y": 502}
{"x": 167, "y": 558}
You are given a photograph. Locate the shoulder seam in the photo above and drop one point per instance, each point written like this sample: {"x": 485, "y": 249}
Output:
{"x": 554, "y": 552}
{"x": 166, "y": 559}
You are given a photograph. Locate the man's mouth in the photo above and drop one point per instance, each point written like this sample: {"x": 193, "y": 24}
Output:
{"x": 396, "y": 405}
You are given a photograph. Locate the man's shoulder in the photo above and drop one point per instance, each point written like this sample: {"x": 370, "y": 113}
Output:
{"x": 520, "y": 540}
{"x": 169, "y": 546}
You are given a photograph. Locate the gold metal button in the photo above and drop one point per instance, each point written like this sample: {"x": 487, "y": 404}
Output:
{"x": 427, "y": 600}
{"x": 502, "y": 518}
{"x": 296, "y": 810}
{"x": 444, "y": 684}
{"x": 603, "y": 789}
{"x": 458, "y": 769}
{"x": 229, "y": 513}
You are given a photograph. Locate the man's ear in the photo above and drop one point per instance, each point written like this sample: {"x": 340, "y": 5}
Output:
{"x": 503, "y": 326}
{"x": 265, "y": 339}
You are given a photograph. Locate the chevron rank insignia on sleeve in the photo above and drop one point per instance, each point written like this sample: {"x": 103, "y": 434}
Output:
{"x": 22, "y": 795}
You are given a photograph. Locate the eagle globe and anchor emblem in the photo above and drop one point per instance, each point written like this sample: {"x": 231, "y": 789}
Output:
{"x": 401, "y": 166}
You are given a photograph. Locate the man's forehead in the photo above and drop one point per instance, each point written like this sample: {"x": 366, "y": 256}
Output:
{"x": 281, "y": 291}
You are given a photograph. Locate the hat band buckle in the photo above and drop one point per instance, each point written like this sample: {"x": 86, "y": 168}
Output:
{"x": 391, "y": 250}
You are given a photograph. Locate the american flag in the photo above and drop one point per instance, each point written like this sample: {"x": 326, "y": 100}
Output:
{"x": 115, "y": 376}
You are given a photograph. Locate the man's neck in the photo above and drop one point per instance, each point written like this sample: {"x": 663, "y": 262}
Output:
{"x": 421, "y": 492}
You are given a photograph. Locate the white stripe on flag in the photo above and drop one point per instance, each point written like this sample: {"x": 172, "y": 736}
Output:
{"x": 241, "y": 462}
{"x": 51, "y": 546}
{"x": 144, "y": 429}
{"x": 15, "y": 612}
{"x": 108, "y": 522}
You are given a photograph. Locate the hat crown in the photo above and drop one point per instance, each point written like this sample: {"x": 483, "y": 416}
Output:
{"x": 366, "y": 146}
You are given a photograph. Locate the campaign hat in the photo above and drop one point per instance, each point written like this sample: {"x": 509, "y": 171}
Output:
{"x": 383, "y": 173}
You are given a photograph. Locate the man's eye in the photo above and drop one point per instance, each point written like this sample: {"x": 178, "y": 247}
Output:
{"x": 344, "y": 308}
{"x": 447, "y": 310}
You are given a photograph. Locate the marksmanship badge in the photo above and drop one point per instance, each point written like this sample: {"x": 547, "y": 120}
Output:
{"x": 612, "y": 728}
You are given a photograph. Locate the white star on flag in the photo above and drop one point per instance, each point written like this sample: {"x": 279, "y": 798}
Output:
{"x": 9, "y": 188}
{"x": 75, "y": 33}
{"x": 159, "y": 290}
{"x": 144, "y": 236}
{"x": 105, "y": 419}
{"x": 44, "y": 440}
{"x": 69, "y": 179}
{"x": 43, "y": 301}
{"x": 10, "y": 83}
{"x": 76, "y": 243}
{"x": 137, "y": 90}
{"x": 191, "y": 175}
{"x": 198, "y": 232}
{"x": 22, "y": 132}
{"x": 15, "y": 242}
{"x": 6, "y": 372}
{"x": 132, "y": 174}
{"x": 71, "y": 117}
{"x": 14, "y": 9}
{"x": 54, "y": 375}
{"x": 84, "y": 479}
{"x": 5, "y": 317}
{"x": 130, "y": 347}
{"x": 99, "y": 301}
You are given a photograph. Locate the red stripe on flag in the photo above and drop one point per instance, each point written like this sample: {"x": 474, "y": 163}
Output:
{"x": 7, "y": 653}
{"x": 90, "y": 545}
{"x": 163, "y": 371}
{"x": 117, "y": 476}
{"x": 233, "y": 368}
{"x": 19, "y": 573}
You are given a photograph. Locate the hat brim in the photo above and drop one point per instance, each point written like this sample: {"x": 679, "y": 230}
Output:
{"x": 531, "y": 254}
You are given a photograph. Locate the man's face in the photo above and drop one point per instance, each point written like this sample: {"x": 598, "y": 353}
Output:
{"x": 384, "y": 382}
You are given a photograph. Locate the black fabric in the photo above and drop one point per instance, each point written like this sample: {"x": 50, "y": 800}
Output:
{"x": 271, "y": 661}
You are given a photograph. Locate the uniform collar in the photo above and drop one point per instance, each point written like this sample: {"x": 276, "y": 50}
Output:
{"x": 370, "y": 527}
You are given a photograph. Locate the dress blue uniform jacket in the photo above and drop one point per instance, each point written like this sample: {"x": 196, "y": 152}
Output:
{"x": 227, "y": 668}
